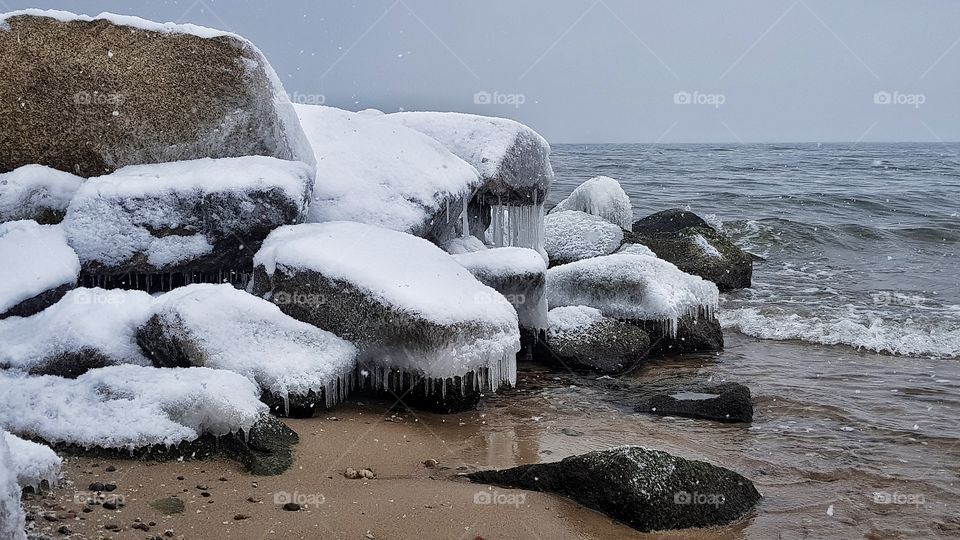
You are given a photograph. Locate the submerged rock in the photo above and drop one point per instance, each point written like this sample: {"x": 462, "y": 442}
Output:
{"x": 647, "y": 489}
{"x": 687, "y": 241}
{"x": 726, "y": 402}
{"x": 298, "y": 367}
{"x": 37, "y": 268}
{"x": 36, "y": 192}
{"x": 603, "y": 197}
{"x": 573, "y": 236}
{"x": 148, "y": 93}
{"x": 581, "y": 337}
{"x": 416, "y": 315}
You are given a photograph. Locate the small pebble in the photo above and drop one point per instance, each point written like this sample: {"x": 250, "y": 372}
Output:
{"x": 291, "y": 507}
{"x": 140, "y": 526}
{"x": 202, "y": 487}
{"x": 204, "y": 493}
{"x": 241, "y": 517}
{"x": 110, "y": 468}
{"x": 430, "y": 463}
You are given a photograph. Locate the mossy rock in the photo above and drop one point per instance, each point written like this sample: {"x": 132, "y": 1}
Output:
{"x": 700, "y": 251}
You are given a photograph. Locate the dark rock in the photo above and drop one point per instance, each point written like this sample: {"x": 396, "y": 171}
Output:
{"x": 291, "y": 507}
{"x": 648, "y": 490}
{"x": 96, "y": 486}
{"x": 606, "y": 345}
{"x": 668, "y": 221}
{"x": 30, "y": 287}
{"x": 109, "y": 487}
{"x": 110, "y": 468}
{"x": 141, "y": 527}
{"x": 699, "y": 334}
{"x": 38, "y": 303}
{"x": 64, "y": 530}
{"x": 727, "y": 402}
{"x": 111, "y": 504}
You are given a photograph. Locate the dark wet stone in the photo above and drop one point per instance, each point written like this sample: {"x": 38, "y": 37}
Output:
{"x": 38, "y": 303}
{"x": 699, "y": 334}
{"x": 109, "y": 487}
{"x": 732, "y": 403}
{"x": 668, "y": 221}
{"x": 607, "y": 346}
{"x": 96, "y": 486}
{"x": 291, "y": 507}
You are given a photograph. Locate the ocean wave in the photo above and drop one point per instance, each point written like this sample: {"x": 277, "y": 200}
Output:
{"x": 907, "y": 338}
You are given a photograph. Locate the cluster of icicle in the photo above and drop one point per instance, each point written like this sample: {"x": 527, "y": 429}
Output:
{"x": 335, "y": 391}
{"x": 517, "y": 225}
{"x": 485, "y": 379}
{"x": 668, "y": 326}
{"x": 163, "y": 281}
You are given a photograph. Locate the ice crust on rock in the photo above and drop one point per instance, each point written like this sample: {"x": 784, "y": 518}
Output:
{"x": 385, "y": 174}
{"x": 86, "y": 328}
{"x": 633, "y": 287}
{"x": 36, "y": 192}
{"x": 574, "y": 235}
{"x": 129, "y": 406}
{"x": 636, "y": 249}
{"x": 600, "y": 196}
{"x": 406, "y": 303}
{"x": 517, "y": 273}
{"x": 12, "y": 520}
{"x": 35, "y": 464}
{"x": 220, "y": 327}
{"x": 464, "y": 244}
{"x": 572, "y": 318}
{"x": 35, "y": 259}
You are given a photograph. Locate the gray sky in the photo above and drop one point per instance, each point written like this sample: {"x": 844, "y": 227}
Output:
{"x": 611, "y": 70}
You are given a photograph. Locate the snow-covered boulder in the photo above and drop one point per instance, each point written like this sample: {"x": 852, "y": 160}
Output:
{"x": 36, "y": 192}
{"x": 202, "y": 220}
{"x": 129, "y": 406}
{"x": 411, "y": 309}
{"x": 37, "y": 267}
{"x": 520, "y": 275}
{"x": 464, "y": 244}
{"x": 636, "y": 249}
{"x": 632, "y": 287}
{"x": 296, "y": 365}
{"x": 148, "y": 93}
{"x": 385, "y": 174}
{"x": 574, "y": 235}
{"x": 582, "y": 337}
{"x": 514, "y": 164}
{"x": 86, "y": 329}
{"x": 12, "y": 520}
{"x": 36, "y": 465}
{"x": 600, "y": 196}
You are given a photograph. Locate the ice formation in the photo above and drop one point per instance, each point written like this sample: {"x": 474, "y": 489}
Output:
{"x": 634, "y": 287}
{"x": 36, "y": 192}
{"x": 405, "y": 302}
{"x": 86, "y": 328}
{"x": 385, "y": 174}
{"x": 519, "y": 274}
{"x": 129, "y": 406}
{"x": 36, "y": 259}
{"x": 36, "y": 465}
{"x": 570, "y": 319}
{"x": 706, "y": 247}
{"x": 601, "y": 196}
{"x": 12, "y": 521}
{"x": 514, "y": 225}
{"x": 220, "y": 327}
{"x": 573, "y": 235}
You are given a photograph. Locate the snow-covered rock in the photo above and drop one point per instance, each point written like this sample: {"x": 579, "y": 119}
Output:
{"x": 514, "y": 163}
{"x": 198, "y": 218}
{"x": 36, "y": 465}
{"x": 296, "y": 365}
{"x": 12, "y": 521}
{"x": 463, "y": 244}
{"x": 37, "y": 267}
{"x": 574, "y": 235}
{"x": 411, "y": 309}
{"x": 149, "y": 93}
{"x": 582, "y": 337}
{"x": 87, "y": 328}
{"x": 636, "y": 249}
{"x": 632, "y": 287}
{"x": 36, "y": 192}
{"x": 129, "y": 406}
{"x": 600, "y": 196}
{"x": 385, "y": 174}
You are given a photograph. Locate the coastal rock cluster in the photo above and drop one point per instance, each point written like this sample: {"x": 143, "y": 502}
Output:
{"x": 201, "y": 253}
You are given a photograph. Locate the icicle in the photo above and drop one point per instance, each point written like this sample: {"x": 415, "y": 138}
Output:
{"x": 464, "y": 220}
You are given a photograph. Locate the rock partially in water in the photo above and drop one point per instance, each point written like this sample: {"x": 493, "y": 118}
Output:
{"x": 580, "y": 337}
{"x": 727, "y": 402}
{"x": 701, "y": 333}
{"x": 648, "y": 490}
{"x": 668, "y": 221}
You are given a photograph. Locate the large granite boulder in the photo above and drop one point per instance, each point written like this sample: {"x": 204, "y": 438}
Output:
{"x": 386, "y": 174}
{"x": 574, "y": 235}
{"x": 687, "y": 241}
{"x": 648, "y": 490}
{"x": 725, "y": 402}
{"x": 36, "y": 192}
{"x": 600, "y": 196}
{"x": 581, "y": 337}
{"x": 154, "y": 227}
{"x": 426, "y": 328}
{"x": 37, "y": 268}
{"x": 91, "y": 95}
{"x": 298, "y": 367}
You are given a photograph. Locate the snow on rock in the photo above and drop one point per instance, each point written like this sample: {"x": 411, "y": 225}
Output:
{"x": 406, "y": 303}
{"x": 87, "y": 328}
{"x": 582, "y": 337}
{"x": 36, "y": 267}
{"x": 519, "y": 274}
{"x": 12, "y": 520}
{"x": 36, "y": 465}
{"x": 600, "y": 196}
{"x": 36, "y": 192}
{"x": 199, "y": 216}
{"x": 636, "y": 249}
{"x": 632, "y": 287}
{"x": 463, "y": 244}
{"x": 221, "y": 327}
{"x": 572, "y": 318}
{"x": 129, "y": 406}
{"x": 385, "y": 174}
{"x": 150, "y": 93}
{"x": 574, "y": 235}
{"x": 706, "y": 247}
